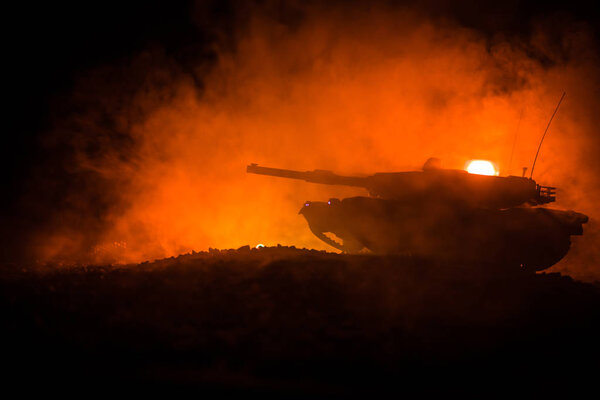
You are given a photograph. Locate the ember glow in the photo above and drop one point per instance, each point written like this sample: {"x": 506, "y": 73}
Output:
{"x": 481, "y": 167}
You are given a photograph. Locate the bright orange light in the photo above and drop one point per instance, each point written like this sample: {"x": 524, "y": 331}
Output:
{"x": 481, "y": 167}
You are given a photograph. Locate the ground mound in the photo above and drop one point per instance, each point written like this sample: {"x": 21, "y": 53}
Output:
{"x": 297, "y": 322}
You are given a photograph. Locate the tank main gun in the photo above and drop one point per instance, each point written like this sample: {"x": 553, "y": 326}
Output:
{"x": 317, "y": 176}
{"x": 431, "y": 184}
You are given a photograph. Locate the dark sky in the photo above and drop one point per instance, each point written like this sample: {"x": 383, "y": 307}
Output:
{"x": 48, "y": 46}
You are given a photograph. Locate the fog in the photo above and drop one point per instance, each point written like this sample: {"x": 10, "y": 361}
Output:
{"x": 153, "y": 152}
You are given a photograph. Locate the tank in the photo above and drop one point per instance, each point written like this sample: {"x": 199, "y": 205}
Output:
{"x": 444, "y": 214}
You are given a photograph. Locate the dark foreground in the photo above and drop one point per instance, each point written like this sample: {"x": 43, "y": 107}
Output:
{"x": 297, "y": 323}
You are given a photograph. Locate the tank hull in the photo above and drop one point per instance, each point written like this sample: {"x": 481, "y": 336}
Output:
{"x": 524, "y": 237}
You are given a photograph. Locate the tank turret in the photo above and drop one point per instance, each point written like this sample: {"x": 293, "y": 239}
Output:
{"x": 449, "y": 185}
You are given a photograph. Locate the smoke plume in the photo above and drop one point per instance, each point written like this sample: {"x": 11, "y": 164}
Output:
{"x": 152, "y": 150}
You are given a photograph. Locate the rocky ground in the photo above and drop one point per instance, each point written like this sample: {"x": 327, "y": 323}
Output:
{"x": 297, "y": 323}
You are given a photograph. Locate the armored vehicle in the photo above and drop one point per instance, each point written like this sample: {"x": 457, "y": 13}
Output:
{"x": 444, "y": 214}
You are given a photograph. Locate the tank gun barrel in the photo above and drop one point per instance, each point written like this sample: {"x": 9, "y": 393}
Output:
{"x": 316, "y": 176}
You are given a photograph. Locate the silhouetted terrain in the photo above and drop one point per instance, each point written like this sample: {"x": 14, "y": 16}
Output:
{"x": 283, "y": 321}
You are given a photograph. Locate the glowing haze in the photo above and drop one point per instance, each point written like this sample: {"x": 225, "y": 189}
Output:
{"x": 355, "y": 92}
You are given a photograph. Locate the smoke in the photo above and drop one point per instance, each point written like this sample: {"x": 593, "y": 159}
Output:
{"x": 153, "y": 150}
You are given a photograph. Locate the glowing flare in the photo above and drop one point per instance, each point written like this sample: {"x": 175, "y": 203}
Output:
{"x": 481, "y": 167}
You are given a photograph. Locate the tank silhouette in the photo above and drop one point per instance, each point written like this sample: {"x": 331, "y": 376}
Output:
{"x": 443, "y": 214}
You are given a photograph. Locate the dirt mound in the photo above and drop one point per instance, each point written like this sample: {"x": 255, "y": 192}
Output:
{"x": 288, "y": 321}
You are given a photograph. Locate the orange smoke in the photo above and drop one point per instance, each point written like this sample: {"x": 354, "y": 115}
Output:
{"x": 346, "y": 92}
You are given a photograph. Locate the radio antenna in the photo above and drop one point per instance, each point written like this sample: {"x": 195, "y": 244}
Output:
{"x": 546, "y": 131}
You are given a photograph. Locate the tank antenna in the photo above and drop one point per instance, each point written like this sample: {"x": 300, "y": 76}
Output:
{"x": 546, "y": 131}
